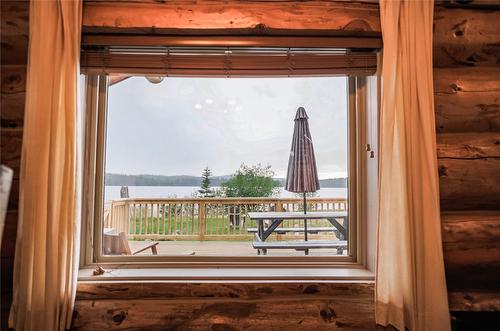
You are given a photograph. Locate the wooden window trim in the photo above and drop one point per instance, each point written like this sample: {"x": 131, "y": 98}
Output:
{"x": 97, "y": 89}
{"x": 361, "y": 42}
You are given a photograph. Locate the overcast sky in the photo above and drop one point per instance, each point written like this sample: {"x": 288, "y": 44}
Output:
{"x": 182, "y": 125}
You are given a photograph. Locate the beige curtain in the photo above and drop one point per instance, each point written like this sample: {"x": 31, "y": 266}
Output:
{"x": 410, "y": 283}
{"x": 46, "y": 261}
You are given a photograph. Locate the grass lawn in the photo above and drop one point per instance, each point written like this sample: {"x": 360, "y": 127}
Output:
{"x": 187, "y": 225}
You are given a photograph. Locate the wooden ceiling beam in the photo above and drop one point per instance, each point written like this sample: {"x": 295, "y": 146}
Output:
{"x": 338, "y": 18}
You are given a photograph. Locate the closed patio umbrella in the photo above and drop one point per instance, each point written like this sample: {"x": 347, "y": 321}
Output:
{"x": 302, "y": 175}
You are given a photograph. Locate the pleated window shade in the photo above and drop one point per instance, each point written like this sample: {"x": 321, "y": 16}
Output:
{"x": 228, "y": 61}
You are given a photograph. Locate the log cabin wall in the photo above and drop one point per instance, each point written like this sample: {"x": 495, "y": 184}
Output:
{"x": 14, "y": 51}
{"x": 467, "y": 103}
{"x": 225, "y": 306}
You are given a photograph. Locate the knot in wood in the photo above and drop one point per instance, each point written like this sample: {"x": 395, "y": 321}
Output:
{"x": 119, "y": 318}
{"x": 311, "y": 289}
{"x": 328, "y": 314}
{"x": 442, "y": 171}
{"x": 455, "y": 87}
{"x": 260, "y": 27}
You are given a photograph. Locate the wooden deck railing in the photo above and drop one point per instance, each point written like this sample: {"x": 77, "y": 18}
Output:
{"x": 205, "y": 218}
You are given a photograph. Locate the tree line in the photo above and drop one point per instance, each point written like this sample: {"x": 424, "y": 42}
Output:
{"x": 247, "y": 181}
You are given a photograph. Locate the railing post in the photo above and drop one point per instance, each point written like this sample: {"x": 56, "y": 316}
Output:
{"x": 115, "y": 216}
{"x": 108, "y": 214}
{"x": 126, "y": 210}
{"x": 202, "y": 220}
{"x": 279, "y": 205}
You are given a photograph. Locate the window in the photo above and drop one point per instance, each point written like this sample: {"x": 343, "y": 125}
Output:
{"x": 193, "y": 143}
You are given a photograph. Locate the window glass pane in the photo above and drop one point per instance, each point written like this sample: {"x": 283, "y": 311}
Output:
{"x": 187, "y": 160}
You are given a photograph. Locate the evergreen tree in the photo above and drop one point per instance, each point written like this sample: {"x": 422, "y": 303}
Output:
{"x": 205, "y": 189}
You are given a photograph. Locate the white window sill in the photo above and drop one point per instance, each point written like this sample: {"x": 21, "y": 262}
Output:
{"x": 229, "y": 274}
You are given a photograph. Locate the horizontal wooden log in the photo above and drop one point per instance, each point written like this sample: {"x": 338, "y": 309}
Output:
{"x": 10, "y": 144}
{"x": 462, "y": 227}
{"x": 468, "y": 112}
{"x": 13, "y": 79}
{"x": 465, "y": 37}
{"x": 472, "y": 145}
{"x": 9, "y": 237}
{"x": 467, "y": 99}
{"x": 474, "y": 300}
{"x": 470, "y": 4}
{"x": 469, "y": 184}
{"x": 253, "y": 291}
{"x": 14, "y": 50}
{"x": 12, "y": 106}
{"x": 15, "y": 18}
{"x": 468, "y": 170}
{"x": 14, "y": 31}
{"x": 231, "y": 17}
{"x": 471, "y": 266}
{"x": 250, "y": 307}
{"x": 12, "y": 95}
{"x": 471, "y": 245}
{"x": 153, "y": 314}
{"x": 456, "y": 81}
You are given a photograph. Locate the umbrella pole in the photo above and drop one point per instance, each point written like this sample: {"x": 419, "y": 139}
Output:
{"x": 305, "y": 220}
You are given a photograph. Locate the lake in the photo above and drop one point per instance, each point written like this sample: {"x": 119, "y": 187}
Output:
{"x": 113, "y": 192}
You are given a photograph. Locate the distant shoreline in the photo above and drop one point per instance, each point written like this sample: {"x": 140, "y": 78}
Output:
{"x": 186, "y": 180}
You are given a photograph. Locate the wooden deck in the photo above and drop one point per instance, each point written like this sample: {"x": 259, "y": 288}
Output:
{"x": 218, "y": 226}
{"x": 222, "y": 248}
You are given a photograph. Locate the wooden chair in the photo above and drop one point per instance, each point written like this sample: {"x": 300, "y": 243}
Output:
{"x": 117, "y": 244}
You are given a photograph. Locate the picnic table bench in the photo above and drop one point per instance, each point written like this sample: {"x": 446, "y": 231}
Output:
{"x": 276, "y": 218}
{"x": 263, "y": 246}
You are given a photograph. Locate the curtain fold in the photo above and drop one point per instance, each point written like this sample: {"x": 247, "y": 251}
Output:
{"x": 410, "y": 280}
{"x": 46, "y": 261}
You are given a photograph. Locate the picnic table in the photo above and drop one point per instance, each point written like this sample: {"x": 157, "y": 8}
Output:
{"x": 276, "y": 218}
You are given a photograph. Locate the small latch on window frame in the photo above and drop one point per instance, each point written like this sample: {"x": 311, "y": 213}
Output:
{"x": 369, "y": 149}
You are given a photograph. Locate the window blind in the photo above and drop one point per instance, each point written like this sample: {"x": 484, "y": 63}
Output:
{"x": 231, "y": 61}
